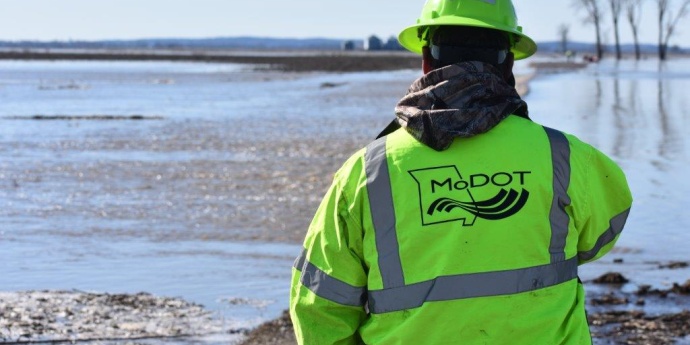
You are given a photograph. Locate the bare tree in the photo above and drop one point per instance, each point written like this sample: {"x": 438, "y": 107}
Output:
{"x": 563, "y": 31}
{"x": 668, "y": 22}
{"x": 634, "y": 14}
{"x": 594, "y": 14}
{"x": 616, "y": 9}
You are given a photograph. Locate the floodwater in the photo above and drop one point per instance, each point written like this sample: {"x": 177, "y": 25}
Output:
{"x": 207, "y": 198}
{"x": 638, "y": 114}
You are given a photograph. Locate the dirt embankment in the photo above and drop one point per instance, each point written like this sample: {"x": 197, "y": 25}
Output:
{"x": 321, "y": 61}
{"x": 281, "y": 61}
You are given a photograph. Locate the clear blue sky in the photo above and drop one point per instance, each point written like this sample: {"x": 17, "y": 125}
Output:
{"x": 126, "y": 19}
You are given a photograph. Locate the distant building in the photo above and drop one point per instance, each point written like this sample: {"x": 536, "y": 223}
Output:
{"x": 392, "y": 44}
{"x": 373, "y": 43}
{"x": 348, "y": 45}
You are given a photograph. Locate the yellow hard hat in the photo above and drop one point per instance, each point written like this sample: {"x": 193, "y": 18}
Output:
{"x": 490, "y": 14}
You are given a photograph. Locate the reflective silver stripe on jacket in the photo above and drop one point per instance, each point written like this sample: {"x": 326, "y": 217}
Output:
{"x": 472, "y": 285}
{"x": 328, "y": 287}
{"x": 443, "y": 288}
{"x": 383, "y": 214}
{"x": 615, "y": 228}
{"x": 560, "y": 156}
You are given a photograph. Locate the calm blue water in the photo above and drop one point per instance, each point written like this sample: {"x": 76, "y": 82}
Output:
{"x": 210, "y": 202}
{"x": 638, "y": 114}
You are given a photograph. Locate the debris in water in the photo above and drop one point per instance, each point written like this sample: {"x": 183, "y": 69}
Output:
{"x": 608, "y": 299}
{"x": 611, "y": 278}
{"x": 681, "y": 289}
{"x": 70, "y": 86}
{"x": 328, "y": 85}
{"x": 674, "y": 265}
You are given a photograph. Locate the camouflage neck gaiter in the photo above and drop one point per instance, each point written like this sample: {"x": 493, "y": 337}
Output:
{"x": 460, "y": 100}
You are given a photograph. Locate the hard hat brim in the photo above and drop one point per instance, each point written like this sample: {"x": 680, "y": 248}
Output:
{"x": 408, "y": 38}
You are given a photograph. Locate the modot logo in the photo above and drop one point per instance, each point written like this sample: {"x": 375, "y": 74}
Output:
{"x": 446, "y": 196}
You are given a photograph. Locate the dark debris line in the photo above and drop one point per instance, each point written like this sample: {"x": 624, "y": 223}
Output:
{"x": 84, "y": 117}
{"x": 324, "y": 62}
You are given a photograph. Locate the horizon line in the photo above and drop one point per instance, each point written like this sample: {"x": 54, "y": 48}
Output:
{"x": 270, "y": 38}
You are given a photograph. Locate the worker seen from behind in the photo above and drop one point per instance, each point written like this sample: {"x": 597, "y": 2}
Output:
{"x": 464, "y": 222}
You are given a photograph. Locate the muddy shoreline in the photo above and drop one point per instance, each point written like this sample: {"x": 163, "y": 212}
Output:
{"x": 618, "y": 316}
{"x": 51, "y": 317}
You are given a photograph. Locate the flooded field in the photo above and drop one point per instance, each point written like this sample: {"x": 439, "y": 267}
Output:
{"x": 638, "y": 114}
{"x": 198, "y": 180}
{"x": 206, "y": 197}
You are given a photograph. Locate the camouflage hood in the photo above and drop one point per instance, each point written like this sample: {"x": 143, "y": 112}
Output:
{"x": 460, "y": 100}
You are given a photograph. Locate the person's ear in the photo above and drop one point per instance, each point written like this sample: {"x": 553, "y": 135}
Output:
{"x": 510, "y": 60}
{"x": 427, "y": 60}
{"x": 508, "y": 75}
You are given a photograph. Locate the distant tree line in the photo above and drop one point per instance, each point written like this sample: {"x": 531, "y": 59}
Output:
{"x": 668, "y": 16}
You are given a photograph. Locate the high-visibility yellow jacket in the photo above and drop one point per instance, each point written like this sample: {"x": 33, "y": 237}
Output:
{"x": 478, "y": 244}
